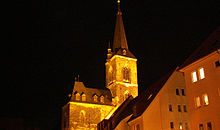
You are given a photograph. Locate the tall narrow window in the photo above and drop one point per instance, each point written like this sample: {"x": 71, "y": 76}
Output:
{"x": 126, "y": 74}
{"x": 177, "y": 92}
{"x": 209, "y": 126}
{"x": 183, "y": 92}
{"x": 82, "y": 117}
{"x": 206, "y": 99}
{"x": 217, "y": 63}
{"x": 201, "y": 127}
{"x": 184, "y": 108}
{"x": 171, "y": 125}
{"x": 186, "y": 126}
{"x": 201, "y": 73}
{"x": 77, "y": 96}
{"x": 179, "y": 108}
{"x": 181, "y": 126}
{"x": 137, "y": 127}
{"x": 170, "y": 108}
{"x": 194, "y": 76}
{"x": 197, "y": 102}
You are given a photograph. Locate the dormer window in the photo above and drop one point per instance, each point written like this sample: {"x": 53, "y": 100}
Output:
{"x": 124, "y": 52}
{"x": 83, "y": 97}
{"x": 95, "y": 98}
{"x": 77, "y": 96}
{"x": 102, "y": 99}
{"x": 126, "y": 74}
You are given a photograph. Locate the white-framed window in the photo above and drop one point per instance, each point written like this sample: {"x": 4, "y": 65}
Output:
{"x": 197, "y": 102}
{"x": 205, "y": 99}
{"x": 201, "y": 73}
{"x": 194, "y": 76}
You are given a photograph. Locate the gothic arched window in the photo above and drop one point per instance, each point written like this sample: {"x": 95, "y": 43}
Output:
{"x": 126, "y": 75}
{"x": 82, "y": 117}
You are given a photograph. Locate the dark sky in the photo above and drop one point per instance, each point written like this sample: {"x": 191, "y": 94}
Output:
{"x": 50, "y": 42}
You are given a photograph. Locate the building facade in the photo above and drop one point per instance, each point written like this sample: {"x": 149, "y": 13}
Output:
{"x": 202, "y": 76}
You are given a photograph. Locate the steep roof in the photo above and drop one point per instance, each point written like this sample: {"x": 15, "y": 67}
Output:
{"x": 80, "y": 88}
{"x": 120, "y": 40}
{"x": 146, "y": 97}
{"x": 211, "y": 44}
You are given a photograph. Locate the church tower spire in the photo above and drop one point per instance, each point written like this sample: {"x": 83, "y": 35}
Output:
{"x": 121, "y": 65}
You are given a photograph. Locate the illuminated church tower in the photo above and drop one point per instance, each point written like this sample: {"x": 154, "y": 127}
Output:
{"x": 121, "y": 65}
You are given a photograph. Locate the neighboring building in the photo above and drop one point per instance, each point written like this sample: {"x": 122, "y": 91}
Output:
{"x": 162, "y": 106}
{"x": 89, "y": 106}
{"x": 202, "y": 76}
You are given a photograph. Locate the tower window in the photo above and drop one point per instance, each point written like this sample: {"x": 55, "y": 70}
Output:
{"x": 194, "y": 76}
{"x": 171, "y": 125}
{"x": 217, "y": 63}
{"x": 183, "y": 92}
{"x": 197, "y": 102}
{"x": 177, "y": 92}
{"x": 206, "y": 99}
{"x": 170, "y": 108}
{"x": 201, "y": 73}
{"x": 126, "y": 74}
{"x": 179, "y": 108}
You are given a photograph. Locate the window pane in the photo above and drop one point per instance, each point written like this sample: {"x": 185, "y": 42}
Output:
{"x": 186, "y": 126}
{"x": 194, "y": 76}
{"x": 179, "y": 108}
{"x": 183, "y": 92}
{"x": 206, "y": 100}
{"x": 184, "y": 108}
{"x": 177, "y": 92}
{"x": 201, "y": 73}
{"x": 171, "y": 125}
{"x": 170, "y": 108}
{"x": 209, "y": 126}
{"x": 217, "y": 63}
{"x": 198, "y": 103}
{"x": 201, "y": 127}
{"x": 181, "y": 126}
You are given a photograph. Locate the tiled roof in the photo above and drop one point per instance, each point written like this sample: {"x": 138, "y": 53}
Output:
{"x": 211, "y": 44}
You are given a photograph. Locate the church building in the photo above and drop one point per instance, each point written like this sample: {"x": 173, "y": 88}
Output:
{"x": 89, "y": 106}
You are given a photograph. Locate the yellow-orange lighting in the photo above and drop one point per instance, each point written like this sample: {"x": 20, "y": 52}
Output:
{"x": 201, "y": 73}
{"x": 206, "y": 100}
{"x": 194, "y": 76}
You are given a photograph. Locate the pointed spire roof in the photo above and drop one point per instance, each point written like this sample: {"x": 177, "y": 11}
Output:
{"x": 120, "y": 40}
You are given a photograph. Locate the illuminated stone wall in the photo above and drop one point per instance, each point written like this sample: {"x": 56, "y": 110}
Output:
{"x": 80, "y": 116}
{"x": 115, "y": 79}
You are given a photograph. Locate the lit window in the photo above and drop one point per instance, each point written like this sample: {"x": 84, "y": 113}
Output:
{"x": 170, "y": 108}
{"x": 194, "y": 76}
{"x": 83, "y": 97}
{"x": 201, "y": 73}
{"x": 184, "y": 108}
{"x": 177, "y": 92}
{"x": 181, "y": 126}
{"x": 201, "y": 127}
{"x": 209, "y": 126}
{"x": 183, "y": 92}
{"x": 206, "y": 99}
{"x": 197, "y": 102}
{"x": 179, "y": 108}
{"x": 171, "y": 125}
{"x": 102, "y": 99}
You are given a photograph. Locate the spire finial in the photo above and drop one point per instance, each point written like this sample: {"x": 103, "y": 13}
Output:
{"x": 119, "y": 10}
{"x": 109, "y": 45}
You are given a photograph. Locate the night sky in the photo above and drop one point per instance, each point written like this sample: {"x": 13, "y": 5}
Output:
{"x": 51, "y": 42}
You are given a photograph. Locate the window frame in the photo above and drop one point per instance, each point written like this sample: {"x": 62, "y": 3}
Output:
{"x": 194, "y": 77}
{"x": 201, "y": 73}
